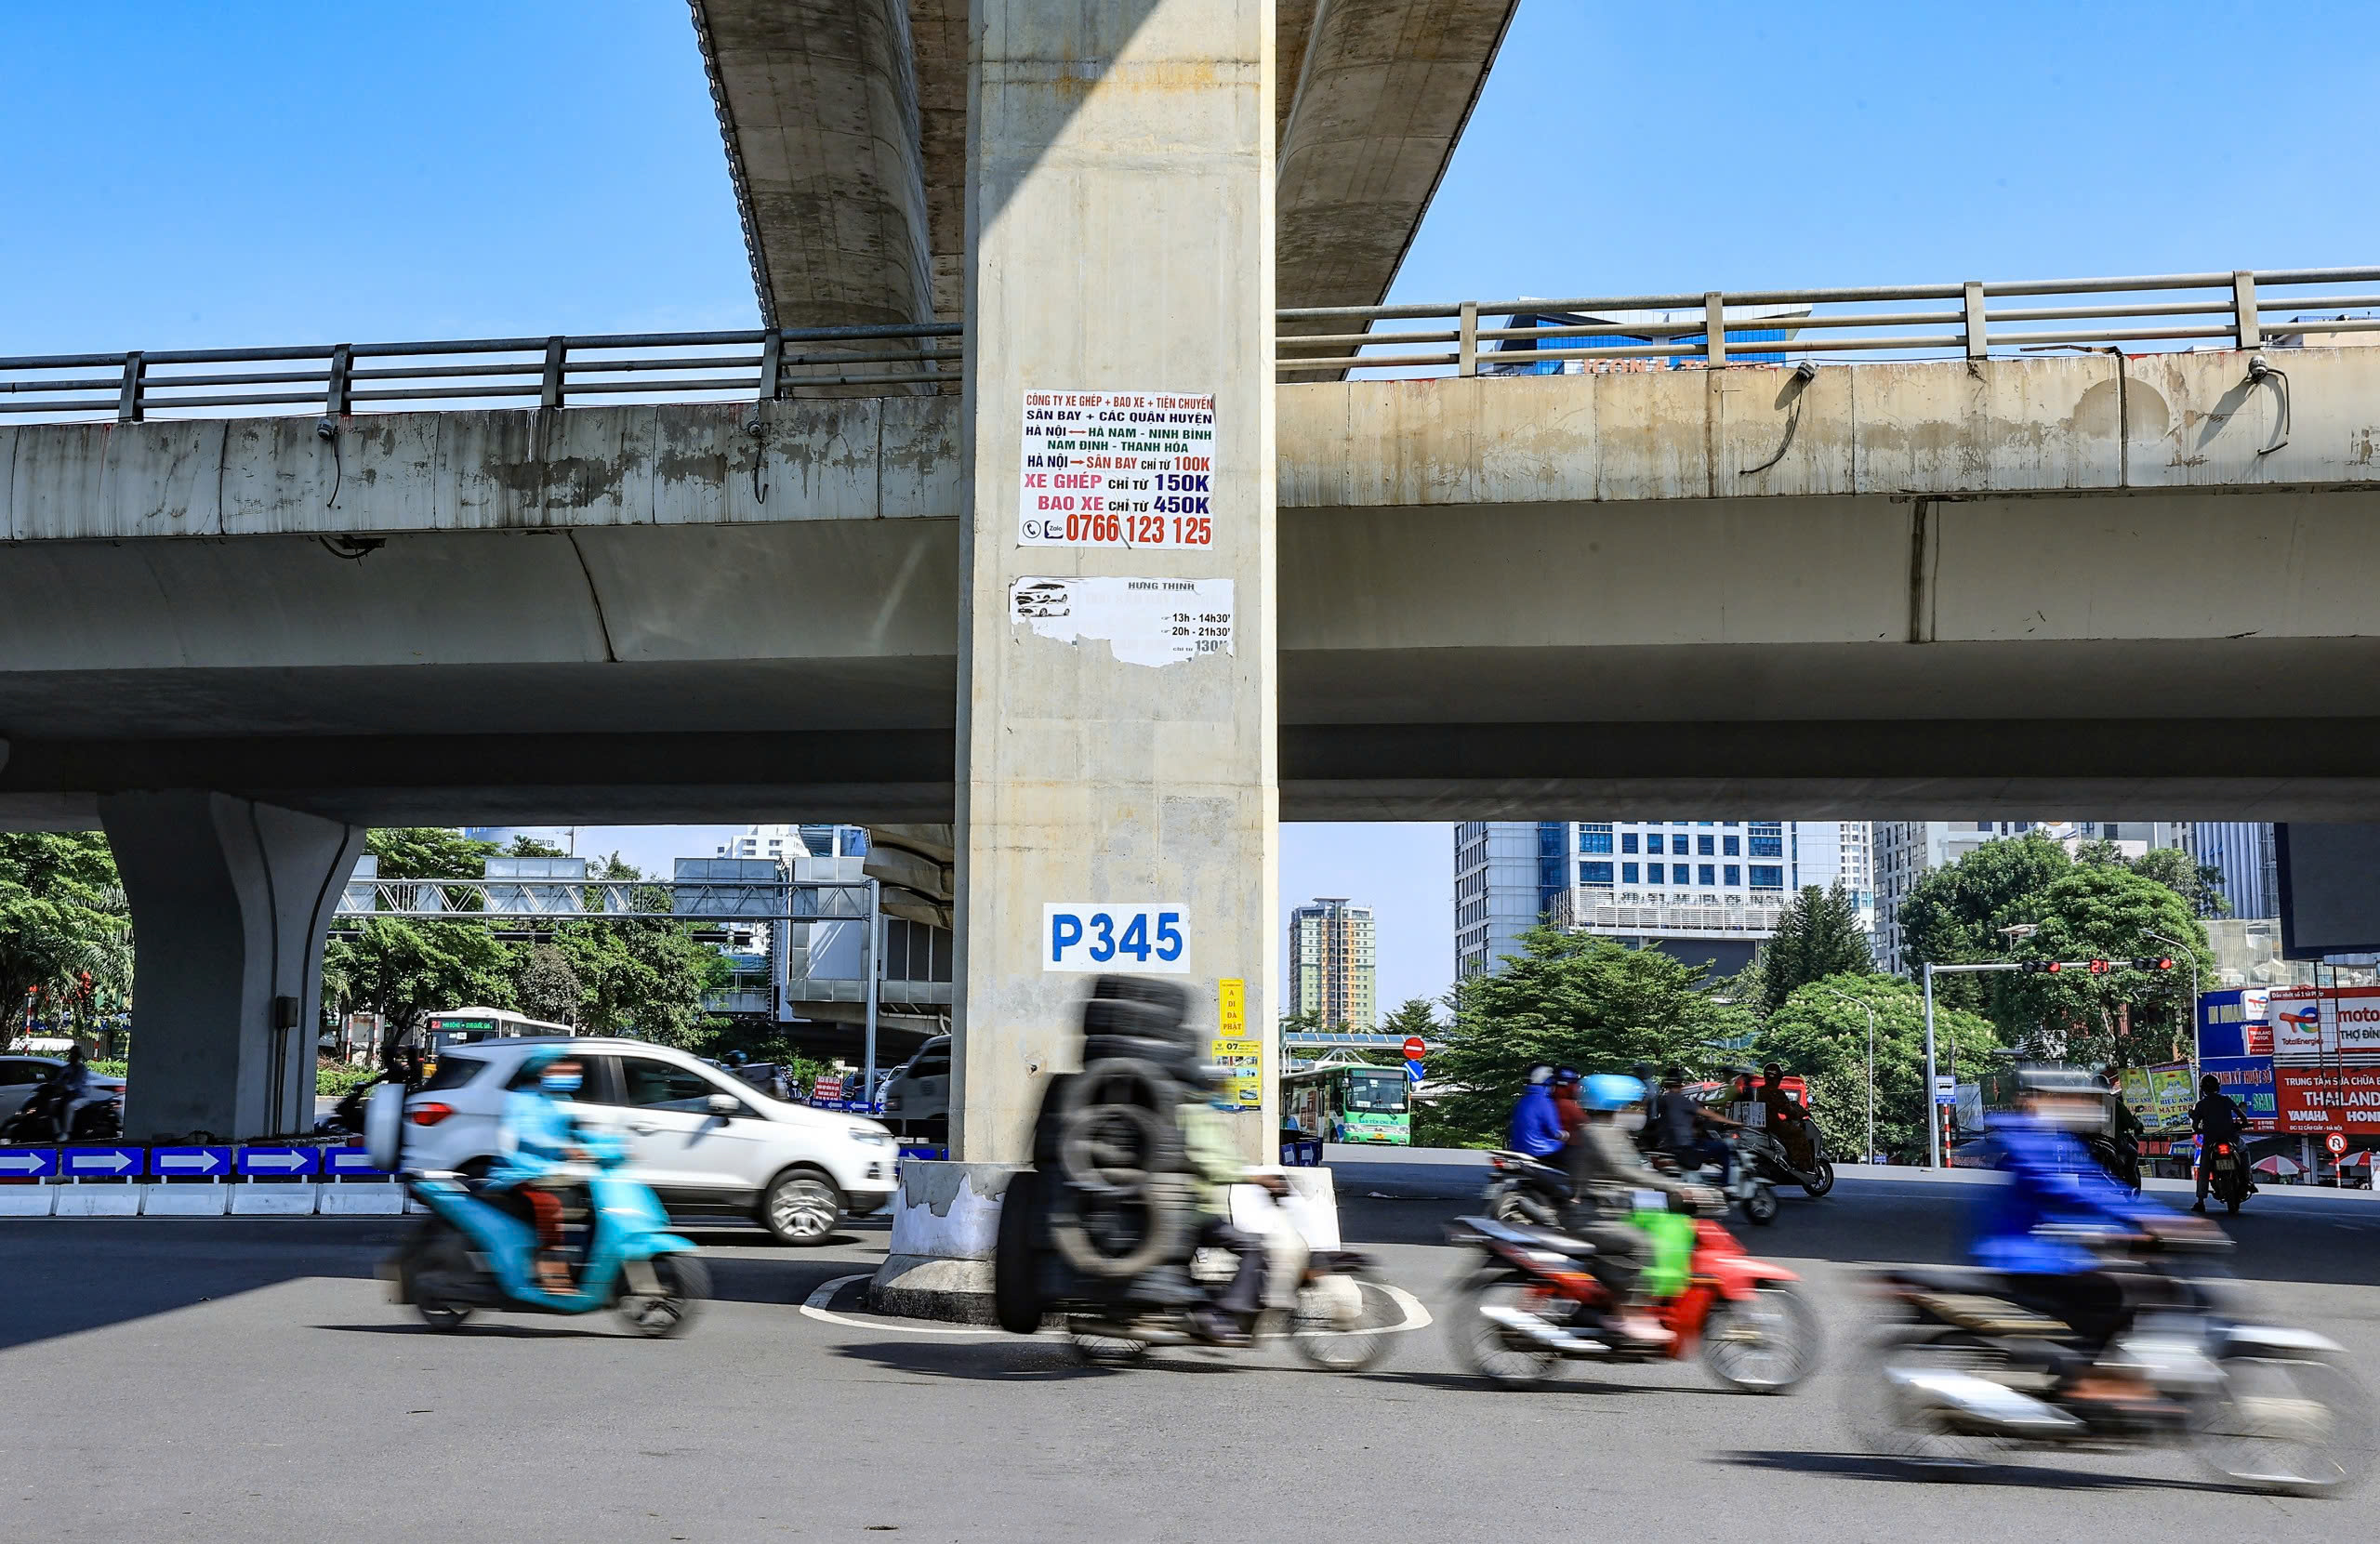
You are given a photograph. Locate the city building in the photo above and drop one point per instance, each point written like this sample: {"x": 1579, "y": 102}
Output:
{"x": 1700, "y": 889}
{"x": 1332, "y": 971}
{"x": 790, "y": 842}
{"x": 2242, "y": 853}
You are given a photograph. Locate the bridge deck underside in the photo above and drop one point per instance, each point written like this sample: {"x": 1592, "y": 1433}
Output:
{"x": 2205, "y": 654}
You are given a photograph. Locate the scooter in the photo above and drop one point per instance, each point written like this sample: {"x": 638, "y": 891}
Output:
{"x": 1522, "y": 1189}
{"x": 1774, "y": 1164}
{"x": 1532, "y": 1304}
{"x": 2228, "y": 1174}
{"x": 1965, "y": 1370}
{"x": 41, "y": 1117}
{"x": 1742, "y": 1181}
{"x": 475, "y": 1251}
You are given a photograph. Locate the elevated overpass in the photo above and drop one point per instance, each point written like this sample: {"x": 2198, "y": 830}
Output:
{"x": 786, "y": 571}
{"x": 1964, "y": 586}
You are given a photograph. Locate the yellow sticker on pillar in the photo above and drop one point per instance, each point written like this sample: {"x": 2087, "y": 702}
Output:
{"x": 1241, "y": 1059}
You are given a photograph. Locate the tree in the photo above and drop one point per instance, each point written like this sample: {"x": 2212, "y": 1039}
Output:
{"x": 1819, "y": 935}
{"x": 2200, "y": 885}
{"x": 428, "y": 852}
{"x": 1414, "y": 1016}
{"x": 640, "y": 976}
{"x": 1570, "y": 998}
{"x": 1824, "y": 1038}
{"x": 405, "y": 970}
{"x": 65, "y": 930}
{"x": 545, "y": 986}
{"x": 2110, "y": 912}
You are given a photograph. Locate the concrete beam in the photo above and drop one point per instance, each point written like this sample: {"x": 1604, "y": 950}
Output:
{"x": 817, "y": 102}
{"x": 1372, "y": 102}
{"x": 1940, "y": 429}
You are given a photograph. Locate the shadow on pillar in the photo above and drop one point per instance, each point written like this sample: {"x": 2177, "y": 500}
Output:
{"x": 231, "y": 901}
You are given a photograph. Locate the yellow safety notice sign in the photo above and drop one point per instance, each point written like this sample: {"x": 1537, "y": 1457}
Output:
{"x": 1240, "y": 1057}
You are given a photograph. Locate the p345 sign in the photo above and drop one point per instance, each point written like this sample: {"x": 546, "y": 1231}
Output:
{"x": 1127, "y": 938}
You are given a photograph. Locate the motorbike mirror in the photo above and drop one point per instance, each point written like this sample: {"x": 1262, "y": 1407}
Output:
{"x": 724, "y": 1106}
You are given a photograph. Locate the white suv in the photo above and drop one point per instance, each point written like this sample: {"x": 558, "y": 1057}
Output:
{"x": 706, "y": 1142}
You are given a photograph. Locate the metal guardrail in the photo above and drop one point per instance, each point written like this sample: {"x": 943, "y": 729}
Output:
{"x": 340, "y": 379}
{"x": 2244, "y": 310}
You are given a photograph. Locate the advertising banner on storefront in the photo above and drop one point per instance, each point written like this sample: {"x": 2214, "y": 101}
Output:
{"x": 2326, "y": 1058}
{"x": 2248, "y": 1080}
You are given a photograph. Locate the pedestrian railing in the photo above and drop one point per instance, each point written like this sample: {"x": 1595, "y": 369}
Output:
{"x": 1707, "y": 330}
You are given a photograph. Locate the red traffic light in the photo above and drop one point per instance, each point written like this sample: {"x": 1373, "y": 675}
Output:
{"x": 2162, "y": 962}
{"x": 2037, "y": 967}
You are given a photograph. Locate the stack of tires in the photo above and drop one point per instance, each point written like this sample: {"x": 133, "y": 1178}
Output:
{"x": 1108, "y": 1211}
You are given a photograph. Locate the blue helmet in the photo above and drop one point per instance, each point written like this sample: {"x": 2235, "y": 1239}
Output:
{"x": 1608, "y": 1090}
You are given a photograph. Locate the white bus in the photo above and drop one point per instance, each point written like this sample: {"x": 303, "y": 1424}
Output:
{"x": 461, "y": 1026}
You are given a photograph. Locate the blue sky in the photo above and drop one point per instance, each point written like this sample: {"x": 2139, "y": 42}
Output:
{"x": 185, "y": 176}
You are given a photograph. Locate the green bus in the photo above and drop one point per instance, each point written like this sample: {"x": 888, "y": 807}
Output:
{"x": 1348, "y": 1103}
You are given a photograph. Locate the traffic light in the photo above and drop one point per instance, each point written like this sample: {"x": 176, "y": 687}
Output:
{"x": 2162, "y": 962}
{"x": 2039, "y": 967}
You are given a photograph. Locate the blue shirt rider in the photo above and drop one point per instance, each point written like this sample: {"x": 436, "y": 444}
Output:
{"x": 540, "y": 1137}
{"x": 1536, "y": 1127}
{"x": 2031, "y": 1228}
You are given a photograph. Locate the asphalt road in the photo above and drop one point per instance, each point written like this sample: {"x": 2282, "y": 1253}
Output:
{"x": 247, "y": 1381}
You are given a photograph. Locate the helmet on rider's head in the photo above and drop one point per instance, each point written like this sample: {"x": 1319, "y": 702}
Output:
{"x": 1543, "y": 1073}
{"x": 1608, "y": 1090}
{"x": 2210, "y": 1083}
{"x": 1566, "y": 1075}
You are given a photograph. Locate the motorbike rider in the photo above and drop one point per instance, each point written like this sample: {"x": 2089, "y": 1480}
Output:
{"x": 1607, "y": 1172}
{"x": 74, "y": 1086}
{"x": 1684, "y": 1129}
{"x": 1536, "y": 1127}
{"x": 2025, "y": 1228}
{"x": 1215, "y": 1166}
{"x": 2216, "y": 1117}
{"x": 1786, "y": 1118}
{"x": 539, "y": 1137}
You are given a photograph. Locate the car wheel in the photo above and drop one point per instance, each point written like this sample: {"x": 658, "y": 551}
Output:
{"x": 802, "y": 1209}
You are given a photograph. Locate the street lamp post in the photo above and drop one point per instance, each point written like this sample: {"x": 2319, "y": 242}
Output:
{"x": 1933, "y": 1121}
{"x": 2191, "y": 955}
{"x": 1869, "y": 1156}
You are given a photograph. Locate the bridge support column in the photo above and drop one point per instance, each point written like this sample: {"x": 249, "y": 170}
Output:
{"x": 231, "y": 901}
{"x": 1118, "y": 767}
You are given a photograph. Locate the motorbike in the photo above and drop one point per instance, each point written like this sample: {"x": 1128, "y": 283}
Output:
{"x": 2119, "y": 1156}
{"x": 476, "y": 1248}
{"x": 42, "y": 1117}
{"x": 1774, "y": 1162}
{"x": 1965, "y": 1373}
{"x": 1742, "y": 1181}
{"x": 1522, "y": 1189}
{"x": 2228, "y": 1174}
{"x": 1530, "y": 1304}
{"x": 1113, "y": 1321}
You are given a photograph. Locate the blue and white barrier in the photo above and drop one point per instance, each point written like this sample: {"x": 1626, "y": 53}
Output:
{"x": 258, "y": 1180}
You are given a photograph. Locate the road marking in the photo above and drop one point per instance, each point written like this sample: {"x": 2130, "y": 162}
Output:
{"x": 816, "y": 1307}
{"x": 1413, "y": 1314}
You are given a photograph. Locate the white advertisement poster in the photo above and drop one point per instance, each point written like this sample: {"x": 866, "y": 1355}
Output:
{"x": 1154, "y": 622}
{"x": 1117, "y": 469}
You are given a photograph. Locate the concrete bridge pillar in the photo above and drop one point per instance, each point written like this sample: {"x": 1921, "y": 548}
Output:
{"x": 231, "y": 901}
{"x": 1117, "y": 777}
